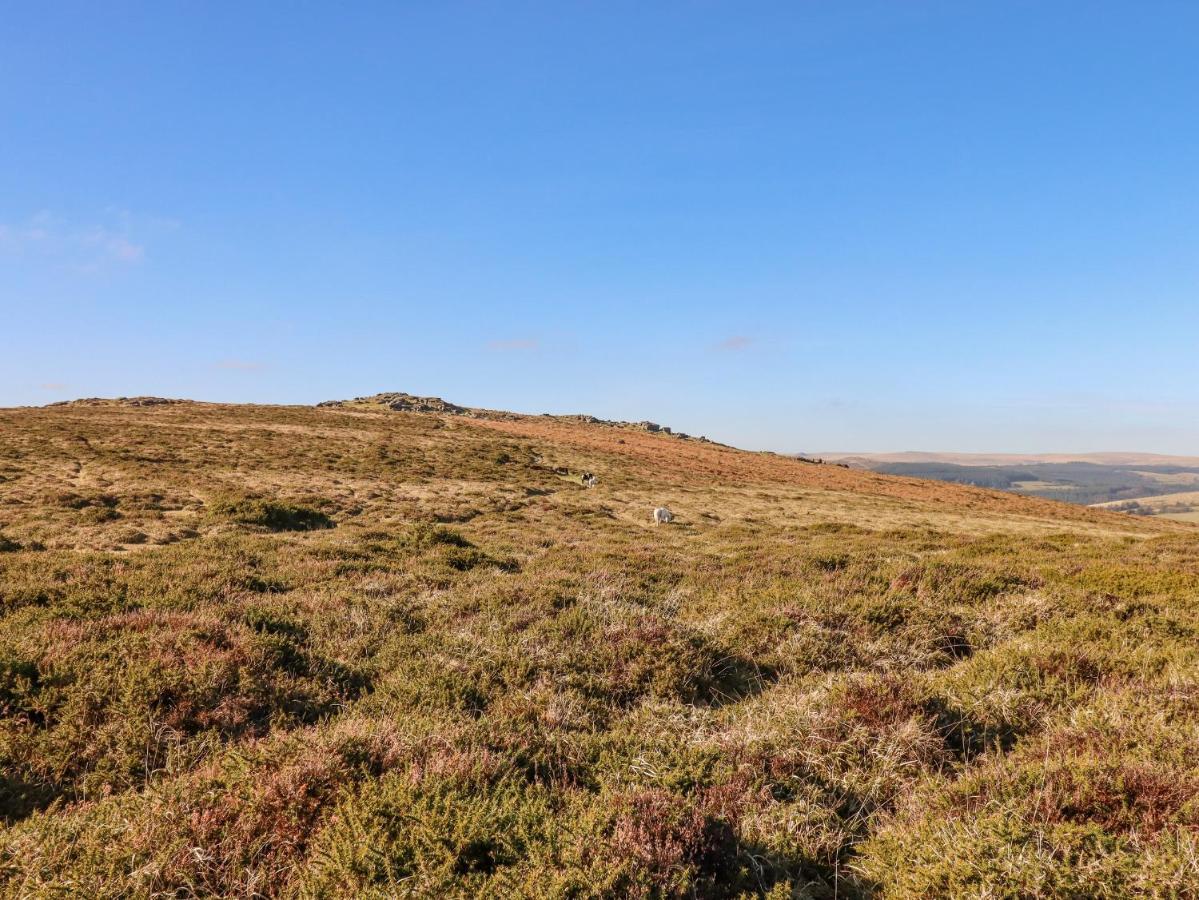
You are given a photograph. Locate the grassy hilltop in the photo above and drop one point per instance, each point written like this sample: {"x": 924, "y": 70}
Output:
{"x": 356, "y": 652}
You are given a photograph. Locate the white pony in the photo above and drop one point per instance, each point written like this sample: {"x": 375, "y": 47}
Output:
{"x": 663, "y": 515}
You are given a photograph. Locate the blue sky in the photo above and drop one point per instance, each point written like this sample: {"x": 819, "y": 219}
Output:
{"x": 799, "y": 225}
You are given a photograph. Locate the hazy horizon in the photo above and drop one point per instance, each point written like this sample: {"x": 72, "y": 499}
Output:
{"x": 862, "y": 225}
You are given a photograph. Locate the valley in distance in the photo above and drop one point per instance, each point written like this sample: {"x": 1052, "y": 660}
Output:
{"x": 394, "y": 646}
{"x": 1143, "y": 484}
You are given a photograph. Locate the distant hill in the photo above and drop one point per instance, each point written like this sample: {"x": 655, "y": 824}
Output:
{"x": 1112, "y": 458}
{"x": 1088, "y": 478}
{"x": 1182, "y": 506}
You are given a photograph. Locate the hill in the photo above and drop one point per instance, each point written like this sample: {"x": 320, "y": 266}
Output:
{"x": 351, "y": 651}
{"x": 1182, "y": 506}
{"x": 1127, "y": 459}
{"x": 1084, "y": 481}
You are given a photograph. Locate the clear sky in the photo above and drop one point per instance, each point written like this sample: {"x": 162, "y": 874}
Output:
{"x": 794, "y": 225}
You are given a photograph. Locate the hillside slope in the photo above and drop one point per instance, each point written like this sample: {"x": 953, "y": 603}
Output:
{"x": 353, "y": 651}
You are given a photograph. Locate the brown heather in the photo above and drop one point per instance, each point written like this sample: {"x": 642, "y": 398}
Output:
{"x": 355, "y": 652}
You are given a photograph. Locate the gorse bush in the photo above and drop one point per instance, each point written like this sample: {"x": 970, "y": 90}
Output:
{"x": 267, "y": 514}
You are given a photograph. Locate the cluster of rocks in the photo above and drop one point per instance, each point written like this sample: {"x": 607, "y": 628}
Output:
{"x": 120, "y": 401}
{"x": 815, "y": 460}
{"x": 401, "y": 402}
{"x": 651, "y": 427}
{"x": 655, "y": 428}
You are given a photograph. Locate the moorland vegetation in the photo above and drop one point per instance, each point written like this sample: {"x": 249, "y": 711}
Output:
{"x": 352, "y": 652}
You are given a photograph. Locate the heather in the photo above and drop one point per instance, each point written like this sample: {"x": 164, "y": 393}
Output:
{"x": 294, "y": 652}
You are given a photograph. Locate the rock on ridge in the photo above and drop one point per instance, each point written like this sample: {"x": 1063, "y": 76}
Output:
{"x": 402, "y": 402}
{"x": 121, "y": 401}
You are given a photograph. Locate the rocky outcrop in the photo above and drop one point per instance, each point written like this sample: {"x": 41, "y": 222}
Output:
{"x": 121, "y": 401}
{"x": 398, "y": 401}
{"x": 401, "y": 402}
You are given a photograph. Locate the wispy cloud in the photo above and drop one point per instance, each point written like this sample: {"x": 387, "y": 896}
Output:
{"x": 16, "y": 238}
{"x": 240, "y": 365}
{"x": 734, "y": 344}
{"x": 53, "y": 386}
{"x": 117, "y": 239}
{"x": 514, "y": 344}
{"x": 114, "y": 246}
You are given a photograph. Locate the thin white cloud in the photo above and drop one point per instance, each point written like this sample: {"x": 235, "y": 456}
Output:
{"x": 114, "y": 246}
{"x": 16, "y": 238}
{"x": 119, "y": 239}
{"x": 240, "y": 365}
{"x": 53, "y": 386}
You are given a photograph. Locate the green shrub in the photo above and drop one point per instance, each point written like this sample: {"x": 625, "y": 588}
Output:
{"x": 435, "y": 836}
{"x": 268, "y": 514}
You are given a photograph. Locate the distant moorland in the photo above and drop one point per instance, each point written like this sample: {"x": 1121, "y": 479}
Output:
{"x": 1116, "y": 480}
{"x": 396, "y": 647}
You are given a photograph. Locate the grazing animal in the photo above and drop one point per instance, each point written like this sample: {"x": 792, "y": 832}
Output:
{"x": 663, "y": 515}
{"x": 589, "y": 480}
